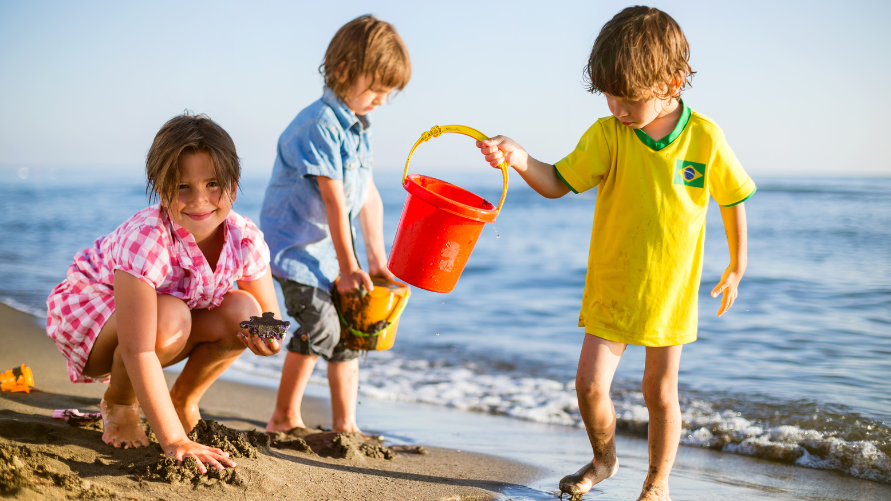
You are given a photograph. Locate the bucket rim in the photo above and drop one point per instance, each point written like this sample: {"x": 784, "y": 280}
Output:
{"x": 413, "y": 186}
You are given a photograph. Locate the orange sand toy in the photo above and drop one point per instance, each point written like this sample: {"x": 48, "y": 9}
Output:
{"x": 368, "y": 319}
{"x": 17, "y": 379}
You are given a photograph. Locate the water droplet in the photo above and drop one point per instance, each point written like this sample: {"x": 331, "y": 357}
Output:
{"x": 497, "y": 236}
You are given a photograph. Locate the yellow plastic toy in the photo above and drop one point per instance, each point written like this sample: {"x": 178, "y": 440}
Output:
{"x": 17, "y": 379}
{"x": 369, "y": 319}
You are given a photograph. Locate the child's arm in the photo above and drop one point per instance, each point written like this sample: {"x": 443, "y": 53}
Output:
{"x": 371, "y": 220}
{"x": 351, "y": 275}
{"x": 136, "y": 307}
{"x": 540, "y": 176}
{"x": 264, "y": 292}
{"x": 735, "y": 228}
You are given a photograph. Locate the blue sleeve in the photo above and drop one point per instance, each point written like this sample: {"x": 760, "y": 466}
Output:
{"x": 315, "y": 151}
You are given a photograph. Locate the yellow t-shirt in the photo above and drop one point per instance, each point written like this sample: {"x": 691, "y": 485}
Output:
{"x": 645, "y": 261}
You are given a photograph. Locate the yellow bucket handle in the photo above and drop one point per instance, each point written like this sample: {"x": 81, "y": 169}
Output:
{"x": 397, "y": 311}
{"x": 437, "y": 131}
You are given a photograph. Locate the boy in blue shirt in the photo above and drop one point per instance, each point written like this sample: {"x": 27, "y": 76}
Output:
{"x": 322, "y": 181}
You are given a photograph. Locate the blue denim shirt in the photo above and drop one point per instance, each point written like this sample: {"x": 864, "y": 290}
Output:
{"x": 325, "y": 139}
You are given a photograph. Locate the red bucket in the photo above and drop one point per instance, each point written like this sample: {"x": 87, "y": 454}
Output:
{"x": 440, "y": 224}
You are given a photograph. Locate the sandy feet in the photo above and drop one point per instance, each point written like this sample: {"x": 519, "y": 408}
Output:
{"x": 284, "y": 422}
{"x": 654, "y": 493}
{"x": 347, "y": 428}
{"x": 121, "y": 425}
{"x": 583, "y": 480}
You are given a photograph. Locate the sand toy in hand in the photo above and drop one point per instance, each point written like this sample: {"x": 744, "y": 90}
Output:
{"x": 266, "y": 326}
{"x": 368, "y": 319}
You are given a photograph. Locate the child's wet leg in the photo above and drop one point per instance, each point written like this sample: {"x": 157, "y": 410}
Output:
{"x": 597, "y": 365}
{"x": 660, "y": 389}
{"x": 211, "y": 348}
{"x": 343, "y": 378}
{"x": 295, "y": 376}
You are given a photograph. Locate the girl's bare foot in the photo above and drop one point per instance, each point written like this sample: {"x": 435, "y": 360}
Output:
{"x": 654, "y": 492}
{"x": 284, "y": 421}
{"x": 121, "y": 425}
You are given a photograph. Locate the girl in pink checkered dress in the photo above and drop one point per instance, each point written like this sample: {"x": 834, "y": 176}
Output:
{"x": 158, "y": 290}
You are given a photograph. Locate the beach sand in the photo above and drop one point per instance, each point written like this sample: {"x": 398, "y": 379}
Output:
{"x": 45, "y": 458}
{"x": 58, "y": 460}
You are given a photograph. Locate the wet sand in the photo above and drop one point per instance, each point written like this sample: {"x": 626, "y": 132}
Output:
{"x": 45, "y": 458}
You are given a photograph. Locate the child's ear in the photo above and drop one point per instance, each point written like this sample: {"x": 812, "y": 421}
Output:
{"x": 234, "y": 193}
{"x": 678, "y": 81}
{"x": 340, "y": 73}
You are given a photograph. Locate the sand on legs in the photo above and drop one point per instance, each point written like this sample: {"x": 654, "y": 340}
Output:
{"x": 597, "y": 365}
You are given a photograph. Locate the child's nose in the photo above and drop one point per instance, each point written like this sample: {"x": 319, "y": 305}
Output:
{"x": 199, "y": 196}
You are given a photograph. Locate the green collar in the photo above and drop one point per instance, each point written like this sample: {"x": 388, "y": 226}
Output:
{"x": 665, "y": 141}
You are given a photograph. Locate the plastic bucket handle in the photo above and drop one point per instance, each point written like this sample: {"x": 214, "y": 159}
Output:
{"x": 437, "y": 131}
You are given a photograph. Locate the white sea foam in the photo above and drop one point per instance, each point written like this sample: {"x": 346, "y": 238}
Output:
{"x": 12, "y": 303}
{"x": 386, "y": 377}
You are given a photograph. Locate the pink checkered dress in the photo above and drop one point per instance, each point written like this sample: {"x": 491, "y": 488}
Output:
{"x": 153, "y": 248}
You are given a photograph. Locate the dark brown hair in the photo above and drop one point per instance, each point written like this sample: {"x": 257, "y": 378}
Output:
{"x": 637, "y": 55}
{"x": 366, "y": 46}
{"x": 183, "y": 134}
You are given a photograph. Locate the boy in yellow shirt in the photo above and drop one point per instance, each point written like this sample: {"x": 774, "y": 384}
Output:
{"x": 655, "y": 163}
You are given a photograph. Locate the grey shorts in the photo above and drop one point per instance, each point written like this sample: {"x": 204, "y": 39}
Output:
{"x": 319, "y": 331}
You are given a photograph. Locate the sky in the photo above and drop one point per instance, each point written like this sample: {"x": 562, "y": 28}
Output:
{"x": 800, "y": 88}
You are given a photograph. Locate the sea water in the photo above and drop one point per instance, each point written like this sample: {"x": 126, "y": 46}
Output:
{"x": 795, "y": 372}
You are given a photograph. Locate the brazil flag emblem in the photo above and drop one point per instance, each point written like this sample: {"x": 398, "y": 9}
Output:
{"x": 689, "y": 174}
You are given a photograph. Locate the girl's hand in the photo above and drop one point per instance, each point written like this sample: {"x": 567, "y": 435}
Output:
{"x": 182, "y": 449}
{"x": 499, "y": 148}
{"x": 728, "y": 285}
{"x": 352, "y": 280}
{"x": 259, "y": 345}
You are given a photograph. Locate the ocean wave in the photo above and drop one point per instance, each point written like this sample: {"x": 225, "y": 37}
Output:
{"x": 12, "y": 303}
{"x": 465, "y": 387}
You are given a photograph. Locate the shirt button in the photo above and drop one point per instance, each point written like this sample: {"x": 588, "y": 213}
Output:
{"x": 352, "y": 165}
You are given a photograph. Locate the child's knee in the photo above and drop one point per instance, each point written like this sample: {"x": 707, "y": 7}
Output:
{"x": 239, "y": 305}
{"x": 591, "y": 389}
{"x": 659, "y": 394}
{"x": 236, "y": 307}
